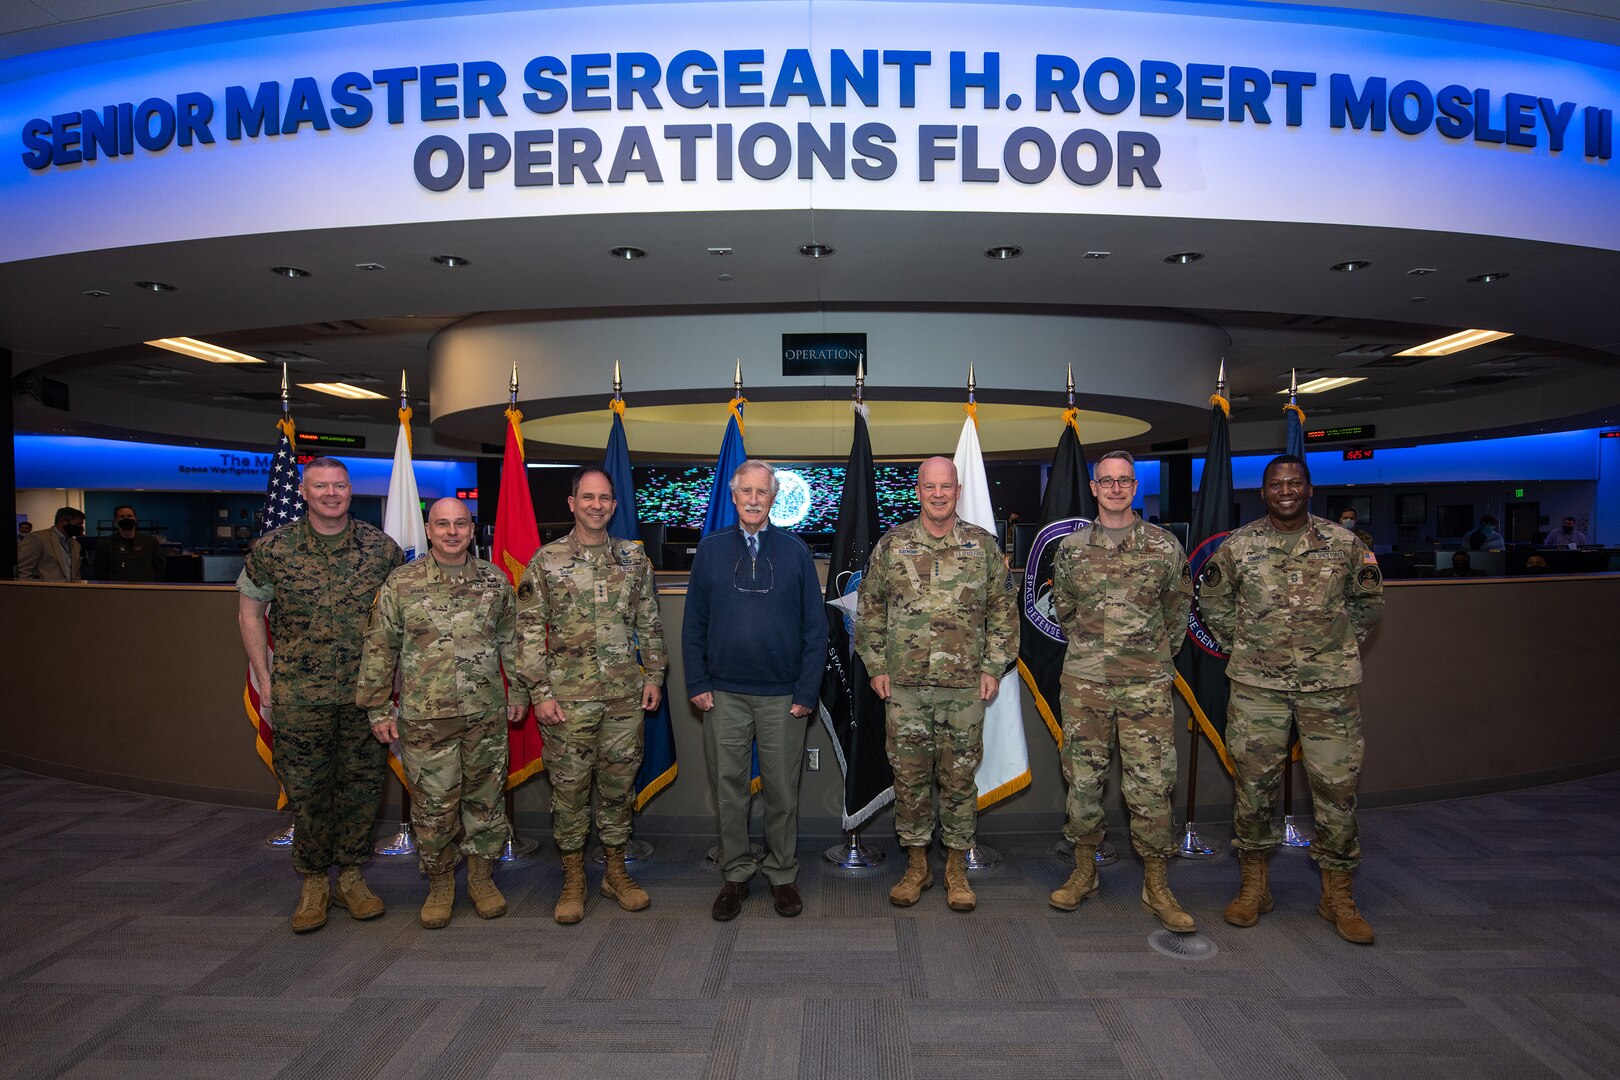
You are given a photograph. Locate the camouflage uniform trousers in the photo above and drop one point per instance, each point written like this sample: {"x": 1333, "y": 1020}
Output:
{"x": 332, "y": 771}
{"x": 457, "y": 769}
{"x": 935, "y": 734}
{"x": 1329, "y": 721}
{"x": 1138, "y": 715}
{"x": 600, "y": 739}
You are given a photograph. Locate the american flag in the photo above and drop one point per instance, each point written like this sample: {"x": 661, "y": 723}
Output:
{"x": 283, "y": 504}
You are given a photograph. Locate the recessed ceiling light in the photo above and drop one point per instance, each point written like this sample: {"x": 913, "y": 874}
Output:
{"x": 1317, "y": 386}
{"x": 203, "y": 350}
{"x": 727, "y": 277}
{"x": 343, "y": 390}
{"x": 816, "y": 251}
{"x": 1422, "y": 271}
{"x": 452, "y": 261}
{"x": 155, "y": 286}
{"x": 1182, "y": 258}
{"x": 1097, "y": 254}
{"x": 98, "y": 293}
{"x": 1454, "y": 343}
{"x": 1003, "y": 251}
{"x": 1486, "y": 279}
{"x": 627, "y": 253}
{"x": 719, "y": 251}
{"x": 1350, "y": 266}
{"x": 290, "y": 271}
{"x": 369, "y": 266}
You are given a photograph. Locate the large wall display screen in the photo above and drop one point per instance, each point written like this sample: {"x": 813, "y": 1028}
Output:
{"x": 486, "y": 109}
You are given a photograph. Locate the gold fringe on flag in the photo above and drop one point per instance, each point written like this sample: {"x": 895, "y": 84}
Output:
{"x": 616, "y": 405}
{"x": 1291, "y": 407}
{"x": 1226, "y": 406}
{"x": 735, "y": 405}
{"x": 405, "y": 415}
{"x": 972, "y": 409}
{"x": 1071, "y": 417}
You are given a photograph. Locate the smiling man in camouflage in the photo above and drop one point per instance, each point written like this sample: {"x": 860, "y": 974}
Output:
{"x": 448, "y": 623}
{"x": 1293, "y": 596}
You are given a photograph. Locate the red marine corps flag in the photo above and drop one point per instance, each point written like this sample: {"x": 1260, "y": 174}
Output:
{"x": 517, "y": 538}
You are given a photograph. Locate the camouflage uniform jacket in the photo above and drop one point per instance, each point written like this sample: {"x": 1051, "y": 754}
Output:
{"x": 450, "y": 636}
{"x": 936, "y": 612}
{"x": 581, "y": 617}
{"x": 1292, "y": 622}
{"x": 1123, "y": 607}
{"x": 319, "y": 596}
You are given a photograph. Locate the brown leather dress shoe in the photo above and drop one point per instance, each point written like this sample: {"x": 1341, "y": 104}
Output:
{"x": 729, "y": 902}
{"x": 787, "y": 900}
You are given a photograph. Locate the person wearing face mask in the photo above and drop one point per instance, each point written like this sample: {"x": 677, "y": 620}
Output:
{"x": 53, "y": 554}
{"x": 127, "y": 555}
{"x": 1347, "y": 520}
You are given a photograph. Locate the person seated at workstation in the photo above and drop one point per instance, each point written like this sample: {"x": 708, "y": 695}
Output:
{"x": 1565, "y": 536}
{"x": 1347, "y": 520}
{"x": 1487, "y": 537}
{"x": 1537, "y": 564}
{"x": 1461, "y": 566}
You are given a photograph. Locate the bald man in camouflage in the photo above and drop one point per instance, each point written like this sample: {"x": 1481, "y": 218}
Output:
{"x": 936, "y": 626}
{"x": 448, "y": 623}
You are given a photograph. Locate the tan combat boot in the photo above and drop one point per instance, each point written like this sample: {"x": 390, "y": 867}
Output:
{"x": 1082, "y": 883}
{"x": 617, "y": 884}
{"x": 1157, "y": 897}
{"x": 958, "y": 896}
{"x": 312, "y": 903}
{"x": 481, "y": 888}
{"x": 354, "y": 894}
{"x": 441, "y": 898}
{"x": 908, "y": 890}
{"x": 1254, "y": 893}
{"x": 1339, "y": 908}
{"x": 571, "y": 905}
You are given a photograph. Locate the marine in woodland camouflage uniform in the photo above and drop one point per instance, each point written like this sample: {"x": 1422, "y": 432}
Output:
{"x": 583, "y": 611}
{"x": 938, "y": 625}
{"x": 450, "y": 630}
{"x": 317, "y": 578}
{"x": 1293, "y": 607}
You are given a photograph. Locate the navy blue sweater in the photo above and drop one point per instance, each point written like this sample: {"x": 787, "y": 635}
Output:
{"x": 754, "y": 629}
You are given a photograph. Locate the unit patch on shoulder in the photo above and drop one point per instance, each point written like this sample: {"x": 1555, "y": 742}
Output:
{"x": 1212, "y": 576}
{"x": 526, "y": 591}
{"x": 1369, "y": 577}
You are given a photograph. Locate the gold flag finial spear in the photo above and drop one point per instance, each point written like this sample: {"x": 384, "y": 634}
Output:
{"x": 971, "y": 386}
{"x": 1071, "y": 384}
{"x": 284, "y": 402}
{"x": 513, "y": 385}
{"x": 618, "y": 383}
{"x": 1220, "y": 379}
{"x": 860, "y": 378}
{"x": 403, "y": 392}
{"x": 736, "y": 380}
{"x": 1293, "y": 384}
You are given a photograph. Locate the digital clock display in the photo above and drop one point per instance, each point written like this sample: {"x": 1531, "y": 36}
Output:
{"x": 1360, "y": 453}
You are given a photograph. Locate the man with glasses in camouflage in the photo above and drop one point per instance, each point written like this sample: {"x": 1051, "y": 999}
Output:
{"x": 755, "y": 643}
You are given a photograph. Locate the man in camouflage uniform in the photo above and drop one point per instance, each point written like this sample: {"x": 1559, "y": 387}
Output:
{"x": 936, "y": 627}
{"x": 1293, "y": 596}
{"x": 317, "y": 579}
{"x": 586, "y": 603}
{"x": 448, "y": 624}
{"x": 1122, "y": 594}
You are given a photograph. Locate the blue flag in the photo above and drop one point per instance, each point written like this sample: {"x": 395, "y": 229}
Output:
{"x": 721, "y": 513}
{"x": 658, "y": 767}
{"x": 1296, "y": 431}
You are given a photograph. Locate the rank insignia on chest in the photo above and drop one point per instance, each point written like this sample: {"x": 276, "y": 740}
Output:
{"x": 601, "y": 591}
{"x": 1296, "y": 577}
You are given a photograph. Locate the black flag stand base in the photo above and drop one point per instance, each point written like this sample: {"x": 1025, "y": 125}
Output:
{"x": 982, "y": 857}
{"x": 634, "y": 851}
{"x": 517, "y": 847}
{"x": 1106, "y": 855}
{"x": 1191, "y": 847}
{"x": 281, "y": 837}
{"x": 852, "y": 855}
{"x": 401, "y": 842}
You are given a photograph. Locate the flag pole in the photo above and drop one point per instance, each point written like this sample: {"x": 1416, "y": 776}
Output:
{"x": 516, "y": 847}
{"x": 1191, "y": 847}
{"x": 283, "y": 837}
{"x": 401, "y": 842}
{"x": 852, "y": 856}
{"x": 981, "y": 857}
{"x": 1291, "y": 837}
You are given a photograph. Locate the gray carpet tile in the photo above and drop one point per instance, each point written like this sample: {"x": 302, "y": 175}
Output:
{"x": 146, "y": 937}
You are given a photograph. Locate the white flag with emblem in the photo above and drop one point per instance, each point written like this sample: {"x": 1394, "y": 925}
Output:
{"x": 402, "y": 513}
{"x": 1005, "y": 768}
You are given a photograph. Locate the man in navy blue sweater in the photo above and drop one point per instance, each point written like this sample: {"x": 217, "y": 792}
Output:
{"x": 755, "y": 645}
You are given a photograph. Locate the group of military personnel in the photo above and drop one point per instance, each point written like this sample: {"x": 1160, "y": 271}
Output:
{"x": 437, "y": 652}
